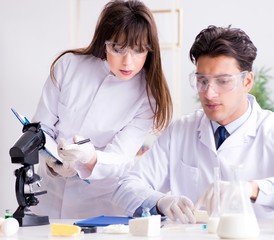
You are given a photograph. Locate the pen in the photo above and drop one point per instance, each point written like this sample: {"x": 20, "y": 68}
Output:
{"x": 83, "y": 141}
{"x": 80, "y": 142}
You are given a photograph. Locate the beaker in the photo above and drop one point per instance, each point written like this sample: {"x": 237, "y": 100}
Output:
{"x": 214, "y": 218}
{"x": 237, "y": 218}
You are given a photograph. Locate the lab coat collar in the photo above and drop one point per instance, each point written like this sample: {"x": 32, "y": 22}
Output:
{"x": 205, "y": 133}
{"x": 240, "y": 136}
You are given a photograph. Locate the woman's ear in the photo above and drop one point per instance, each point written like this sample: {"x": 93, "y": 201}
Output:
{"x": 248, "y": 81}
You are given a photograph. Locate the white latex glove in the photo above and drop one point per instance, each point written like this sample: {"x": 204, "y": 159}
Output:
{"x": 177, "y": 207}
{"x": 65, "y": 170}
{"x": 84, "y": 153}
{"x": 207, "y": 199}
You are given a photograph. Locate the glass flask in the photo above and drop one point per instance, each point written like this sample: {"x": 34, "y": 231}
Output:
{"x": 237, "y": 218}
{"x": 214, "y": 218}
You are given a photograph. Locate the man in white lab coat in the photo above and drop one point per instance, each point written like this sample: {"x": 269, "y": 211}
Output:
{"x": 178, "y": 171}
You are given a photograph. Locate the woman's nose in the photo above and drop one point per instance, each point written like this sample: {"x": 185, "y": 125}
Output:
{"x": 128, "y": 58}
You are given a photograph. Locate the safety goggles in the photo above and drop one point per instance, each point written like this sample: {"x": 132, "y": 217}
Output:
{"x": 117, "y": 50}
{"x": 220, "y": 83}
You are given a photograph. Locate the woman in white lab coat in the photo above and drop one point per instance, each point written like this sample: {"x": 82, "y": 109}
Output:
{"x": 178, "y": 171}
{"x": 112, "y": 92}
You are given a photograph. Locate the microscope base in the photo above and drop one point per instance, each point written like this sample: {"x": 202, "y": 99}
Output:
{"x": 26, "y": 218}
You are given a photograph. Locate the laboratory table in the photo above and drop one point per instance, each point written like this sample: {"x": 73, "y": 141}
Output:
{"x": 170, "y": 230}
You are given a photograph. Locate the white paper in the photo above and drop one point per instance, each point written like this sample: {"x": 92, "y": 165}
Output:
{"x": 51, "y": 147}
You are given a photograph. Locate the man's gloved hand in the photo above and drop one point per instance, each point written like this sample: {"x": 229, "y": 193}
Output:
{"x": 65, "y": 170}
{"x": 84, "y": 153}
{"x": 207, "y": 199}
{"x": 177, "y": 207}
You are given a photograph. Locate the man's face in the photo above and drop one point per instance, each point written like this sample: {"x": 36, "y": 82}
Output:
{"x": 223, "y": 106}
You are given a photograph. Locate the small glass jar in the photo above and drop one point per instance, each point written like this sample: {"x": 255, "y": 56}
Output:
{"x": 145, "y": 212}
{"x": 8, "y": 213}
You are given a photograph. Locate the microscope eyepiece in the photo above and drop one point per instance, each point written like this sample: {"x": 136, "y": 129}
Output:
{"x": 25, "y": 150}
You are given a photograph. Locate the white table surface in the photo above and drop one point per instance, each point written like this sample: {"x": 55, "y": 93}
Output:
{"x": 170, "y": 230}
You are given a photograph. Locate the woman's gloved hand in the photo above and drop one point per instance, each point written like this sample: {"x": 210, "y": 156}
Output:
{"x": 177, "y": 207}
{"x": 207, "y": 199}
{"x": 84, "y": 153}
{"x": 65, "y": 170}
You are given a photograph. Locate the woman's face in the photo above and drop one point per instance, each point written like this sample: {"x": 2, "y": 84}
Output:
{"x": 126, "y": 62}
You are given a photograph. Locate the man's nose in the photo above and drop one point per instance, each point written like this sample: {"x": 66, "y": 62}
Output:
{"x": 210, "y": 91}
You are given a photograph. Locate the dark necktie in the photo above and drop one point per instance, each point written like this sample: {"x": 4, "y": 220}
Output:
{"x": 222, "y": 135}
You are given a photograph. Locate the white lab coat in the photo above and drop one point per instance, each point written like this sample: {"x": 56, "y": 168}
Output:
{"x": 182, "y": 161}
{"x": 90, "y": 101}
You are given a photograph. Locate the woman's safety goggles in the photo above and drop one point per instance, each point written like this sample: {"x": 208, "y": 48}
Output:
{"x": 116, "y": 49}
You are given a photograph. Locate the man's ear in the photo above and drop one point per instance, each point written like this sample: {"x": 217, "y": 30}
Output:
{"x": 248, "y": 81}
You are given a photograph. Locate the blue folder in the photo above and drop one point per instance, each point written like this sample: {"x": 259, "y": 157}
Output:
{"x": 102, "y": 221}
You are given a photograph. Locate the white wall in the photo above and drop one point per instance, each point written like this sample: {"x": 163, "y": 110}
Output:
{"x": 33, "y": 32}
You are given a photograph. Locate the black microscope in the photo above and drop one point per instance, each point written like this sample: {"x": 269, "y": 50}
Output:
{"x": 26, "y": 152}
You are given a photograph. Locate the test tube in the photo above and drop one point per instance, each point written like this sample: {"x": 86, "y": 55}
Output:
{"x": 217, "y": 191}
{"x": 214, "y": 218}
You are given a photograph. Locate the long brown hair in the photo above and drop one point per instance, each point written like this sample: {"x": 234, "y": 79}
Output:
{"x": 135, "y": 21}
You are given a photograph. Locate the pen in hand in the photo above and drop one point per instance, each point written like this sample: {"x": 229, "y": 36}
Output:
{"x": 83, "y": 141}
{"x": 80, "y": 142}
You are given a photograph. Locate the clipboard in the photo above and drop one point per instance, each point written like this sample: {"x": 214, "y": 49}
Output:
{"x": 20, "y": 117}
{"x": 102, "y": 221}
